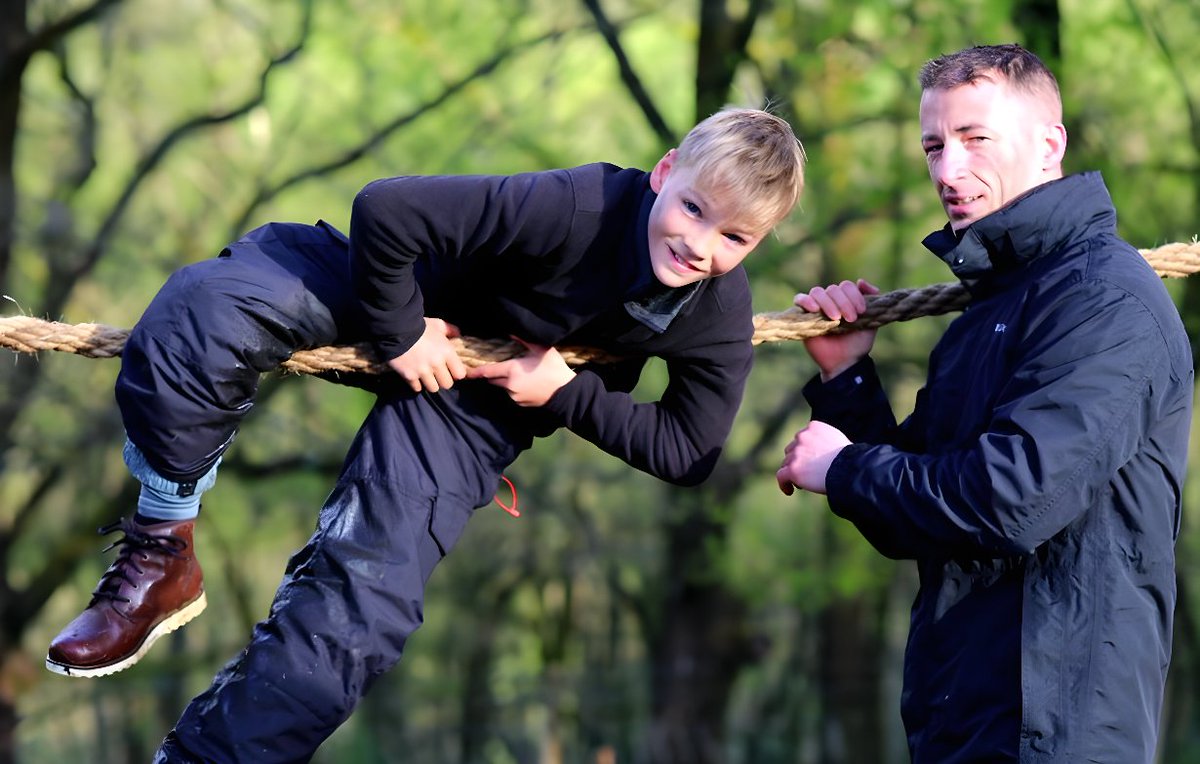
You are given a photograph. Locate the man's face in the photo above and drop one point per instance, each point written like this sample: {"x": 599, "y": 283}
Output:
{"x": 986, "y": 145}
{"x": 694, "y": 234}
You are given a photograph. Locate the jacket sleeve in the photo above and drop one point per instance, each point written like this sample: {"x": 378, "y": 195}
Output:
{"x": 854, "y": 402}
{"x": 679, "y": 437}
{"x": 1092, "y": 371}
{"x": 451, "y": 220}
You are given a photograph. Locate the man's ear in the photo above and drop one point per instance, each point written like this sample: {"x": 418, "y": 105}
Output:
{"x": 1054, "y": 146}
{"x": 658, "y": 176}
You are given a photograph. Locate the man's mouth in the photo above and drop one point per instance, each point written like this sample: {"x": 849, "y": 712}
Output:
{"x": 960, "y": 201}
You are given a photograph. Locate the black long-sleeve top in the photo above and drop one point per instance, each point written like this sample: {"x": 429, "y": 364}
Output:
{"x": 554, "y": 257}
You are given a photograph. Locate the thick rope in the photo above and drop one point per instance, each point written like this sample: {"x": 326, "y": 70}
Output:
{"x": 25, "y": 334}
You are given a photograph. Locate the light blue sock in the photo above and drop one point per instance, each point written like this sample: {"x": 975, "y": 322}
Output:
{"x": 162, "y": 499}
{"x": 154, "y": 504}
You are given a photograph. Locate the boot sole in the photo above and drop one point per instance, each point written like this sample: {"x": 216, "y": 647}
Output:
{"x": 166, "y": 626}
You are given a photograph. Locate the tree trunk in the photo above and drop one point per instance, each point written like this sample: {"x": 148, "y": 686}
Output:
{"x": 701, "y": 647}
{"x": 848, "y": 675}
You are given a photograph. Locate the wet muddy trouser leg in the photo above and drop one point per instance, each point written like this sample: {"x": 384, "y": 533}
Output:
{"x": 350, "y": 598}
{"x": 191, "y": 365}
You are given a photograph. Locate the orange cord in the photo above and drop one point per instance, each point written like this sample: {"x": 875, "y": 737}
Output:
{"x": 510, "y": 509}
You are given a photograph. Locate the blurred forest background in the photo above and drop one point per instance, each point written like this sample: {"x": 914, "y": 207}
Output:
{"x": 617, "y": 620}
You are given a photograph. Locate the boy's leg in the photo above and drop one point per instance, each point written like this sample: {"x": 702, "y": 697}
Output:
{"x": 349, "y": 600}
{"x": 189, "y": 373}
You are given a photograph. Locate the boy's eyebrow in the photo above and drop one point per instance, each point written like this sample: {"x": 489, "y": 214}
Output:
{"x": 735, "y": 213}
{"x": 699, "y": 195}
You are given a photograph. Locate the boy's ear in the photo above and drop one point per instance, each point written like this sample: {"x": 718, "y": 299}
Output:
{"x": 659, "y": 174}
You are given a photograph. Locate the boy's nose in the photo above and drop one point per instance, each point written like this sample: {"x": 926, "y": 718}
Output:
{"x": 701, "y": 245}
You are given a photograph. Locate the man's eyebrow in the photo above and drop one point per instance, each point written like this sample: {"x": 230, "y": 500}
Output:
{"x": 968, "y": 128}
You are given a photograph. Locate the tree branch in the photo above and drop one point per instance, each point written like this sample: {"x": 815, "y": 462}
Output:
{"x": 61, "y": 284}
{"x": 13, "y": 66}
{"x": 372, "y": 141}
{"x": 634, "y": 83}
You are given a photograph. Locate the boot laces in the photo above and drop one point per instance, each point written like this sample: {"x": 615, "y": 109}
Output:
{"x": 133, "y": 544}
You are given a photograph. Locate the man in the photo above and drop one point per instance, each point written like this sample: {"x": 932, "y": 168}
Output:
{"x": 1037, "y": 482}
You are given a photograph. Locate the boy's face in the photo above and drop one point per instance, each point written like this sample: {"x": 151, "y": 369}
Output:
{"x": 694, "y": 234}
{"x": 987, "y": 144}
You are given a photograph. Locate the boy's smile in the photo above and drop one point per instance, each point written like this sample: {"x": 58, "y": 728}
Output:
{"x": 694, "y": 234}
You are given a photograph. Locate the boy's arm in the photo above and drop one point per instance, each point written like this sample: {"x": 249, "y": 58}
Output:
{"x": 395, "y": 221}
{"x": 679, "y": 437}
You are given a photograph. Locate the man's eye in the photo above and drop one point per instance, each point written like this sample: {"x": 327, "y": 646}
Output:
{"x": 930, "y": 149}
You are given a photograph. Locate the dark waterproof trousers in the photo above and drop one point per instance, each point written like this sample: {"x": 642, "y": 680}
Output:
{"x": 412, "y": 478}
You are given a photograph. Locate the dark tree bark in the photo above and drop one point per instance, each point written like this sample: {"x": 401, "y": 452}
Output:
{"x": 699, "y": 648}
{"x": 1041, "y": 25}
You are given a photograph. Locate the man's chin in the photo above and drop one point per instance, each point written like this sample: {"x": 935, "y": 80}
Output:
{"x": 958, "y": 225}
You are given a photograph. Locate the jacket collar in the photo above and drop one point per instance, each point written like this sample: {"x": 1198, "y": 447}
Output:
{"x": 1035, "y": 224}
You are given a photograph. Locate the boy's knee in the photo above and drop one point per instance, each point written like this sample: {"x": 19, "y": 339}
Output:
{"x": 237, "y": 299}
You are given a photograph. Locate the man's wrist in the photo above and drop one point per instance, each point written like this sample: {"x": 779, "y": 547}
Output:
{"x": 828, "y": 375}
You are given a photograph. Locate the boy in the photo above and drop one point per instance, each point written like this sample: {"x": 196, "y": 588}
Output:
{"x": 633, "y": 263}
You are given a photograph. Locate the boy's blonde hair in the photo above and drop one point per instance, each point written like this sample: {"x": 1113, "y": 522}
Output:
{"x": 749, "y": 158}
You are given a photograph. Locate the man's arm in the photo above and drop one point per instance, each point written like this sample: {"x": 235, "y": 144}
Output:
{"x": 847, "y": 400}
{"x": 1075, "y": 410}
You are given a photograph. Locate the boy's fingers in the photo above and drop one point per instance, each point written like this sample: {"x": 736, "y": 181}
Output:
{"x": 445, "y": 377}
{"x": 488, "y": 371}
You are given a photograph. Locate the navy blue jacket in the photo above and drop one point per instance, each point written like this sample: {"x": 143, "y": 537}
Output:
{"x": 1037, "y": 484}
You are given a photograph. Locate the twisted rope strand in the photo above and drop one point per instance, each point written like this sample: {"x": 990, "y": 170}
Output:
{"x": 25, "y": 334}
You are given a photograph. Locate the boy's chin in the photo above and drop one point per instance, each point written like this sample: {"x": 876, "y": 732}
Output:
{"x": 670, "y": 278}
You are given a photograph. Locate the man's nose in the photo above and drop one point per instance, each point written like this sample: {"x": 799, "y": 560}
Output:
{"x": 951, "y": 164}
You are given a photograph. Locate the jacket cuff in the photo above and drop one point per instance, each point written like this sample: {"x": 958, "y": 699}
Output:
{"x": 569, "y": 401}
{"x": 849, "y": 385}
{"x": 840, "y": 477}
{"x": 394, "y": 345}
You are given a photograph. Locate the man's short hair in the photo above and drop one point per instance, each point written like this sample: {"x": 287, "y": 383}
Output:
{"x": 1021, "y": 69}
{"x": 751, "y": 159}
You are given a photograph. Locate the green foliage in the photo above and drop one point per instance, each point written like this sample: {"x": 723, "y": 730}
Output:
{"x": 541, "y": 631}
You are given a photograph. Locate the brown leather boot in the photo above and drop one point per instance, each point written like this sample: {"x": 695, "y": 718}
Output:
{"x": 154, "y": 587}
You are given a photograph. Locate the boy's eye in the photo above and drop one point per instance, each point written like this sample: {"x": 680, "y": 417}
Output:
{"x": 691, "y": 207}
{"x": 735, "y": 238}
